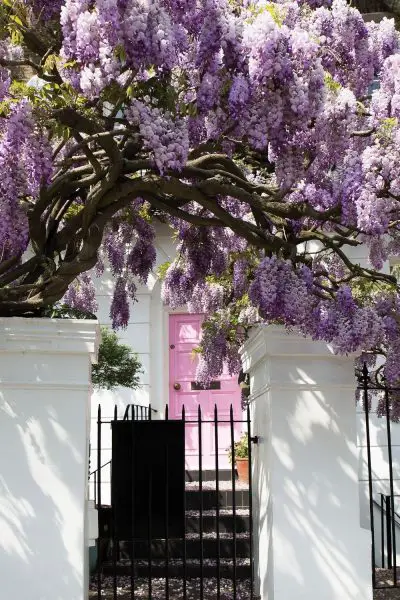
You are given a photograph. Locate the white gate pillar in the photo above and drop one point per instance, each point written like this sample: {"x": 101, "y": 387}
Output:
{"x": 45, "y": 374}
{"x": 308, "y": 540}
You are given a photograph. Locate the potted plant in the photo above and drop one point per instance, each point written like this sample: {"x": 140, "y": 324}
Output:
{"x": 241, "y": 452}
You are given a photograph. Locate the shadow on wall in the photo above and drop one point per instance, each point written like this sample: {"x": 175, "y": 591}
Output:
{"x": 309, "y": 465}
{"x": 41, "y": 497}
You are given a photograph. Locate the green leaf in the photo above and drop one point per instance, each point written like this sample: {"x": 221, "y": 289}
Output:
{"x": 16, "y": 35}
{"x": 331, "y": 83}
{"x": 73, "y": 210}
{"x": 276, "y": 12}
{"x": 162, "y": 270}
{"x": 240, "y": 448}
{"x": 120, "y": 53}
{"x": 51, "y": 62}
{"x": 16, "y": 20}
{"x": 130, "y": 91}
{"x": 69, "y": 64}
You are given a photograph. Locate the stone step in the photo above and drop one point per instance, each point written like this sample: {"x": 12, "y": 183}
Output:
{"x": 224, "y": 498}
{"x": 124, "y": 584}
{"x": 209, "y": 475}
{"x": 193, "y": 518}
{"x": 176, "y": 568}
{"x": 226, "y": 521}
{"x": 208, "y": 547}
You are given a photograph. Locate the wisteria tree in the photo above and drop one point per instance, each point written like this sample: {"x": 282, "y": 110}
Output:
{"x": 251, "y": 128}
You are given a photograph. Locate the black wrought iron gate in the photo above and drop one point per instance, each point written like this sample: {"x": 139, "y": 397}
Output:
{"x": 380, "y": 424}
{"x": 166, "y": 532}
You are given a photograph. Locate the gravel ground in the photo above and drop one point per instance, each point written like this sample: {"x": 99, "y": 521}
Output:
{"x": 211, "y": 535}
{"x": 209, "y": 562}
{"x": 223, "y": 512}
{"x": 384, "y": 577}
{"x": 387, "y": 594}
{"x": 175, "y": 589}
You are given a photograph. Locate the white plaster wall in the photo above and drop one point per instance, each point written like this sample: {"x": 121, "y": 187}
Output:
{"x": 147, "y": 335}
{"x": 260, "y": 410}
{"x": 93, "y": 523}
{"x": 44, "y": 409}
{"x": 307, "y": 524}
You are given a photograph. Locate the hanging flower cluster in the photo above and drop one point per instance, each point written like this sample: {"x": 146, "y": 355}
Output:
{"x": 264, "y": 134}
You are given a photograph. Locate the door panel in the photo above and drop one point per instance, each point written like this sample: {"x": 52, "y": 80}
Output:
{"x": 147, "y": 457}
{"x": 184, "y": 336}
{"x": 186, "y": 366}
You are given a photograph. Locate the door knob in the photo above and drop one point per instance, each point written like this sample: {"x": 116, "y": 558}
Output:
{"x": 177, "y": 386}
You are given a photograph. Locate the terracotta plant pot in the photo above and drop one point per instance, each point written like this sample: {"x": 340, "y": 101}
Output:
{"x": 242, "y": 466}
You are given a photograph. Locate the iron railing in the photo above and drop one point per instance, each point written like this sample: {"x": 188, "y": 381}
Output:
{"x": 387, "y": 516}
{"x": 216, "y": 540}
{"x": 375, "y": 390}
{"x": 132, "y": 411}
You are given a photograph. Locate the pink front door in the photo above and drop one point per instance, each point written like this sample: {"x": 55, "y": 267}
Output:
{"x": 184, "y": 336}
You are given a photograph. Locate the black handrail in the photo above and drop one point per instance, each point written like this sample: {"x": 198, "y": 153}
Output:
{"x": 95, "y": 471}
{"x": 135, "y": 411}
{"x": 139, "y": 412}
{"x": 387, "y": 510}
{"x": 384, "y": 510}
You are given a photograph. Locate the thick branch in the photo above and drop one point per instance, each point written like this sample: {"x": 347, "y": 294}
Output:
{"x": 29, "y": 63}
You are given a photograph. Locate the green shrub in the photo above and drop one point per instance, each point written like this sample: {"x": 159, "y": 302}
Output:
{"x": 117, "y": 364}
